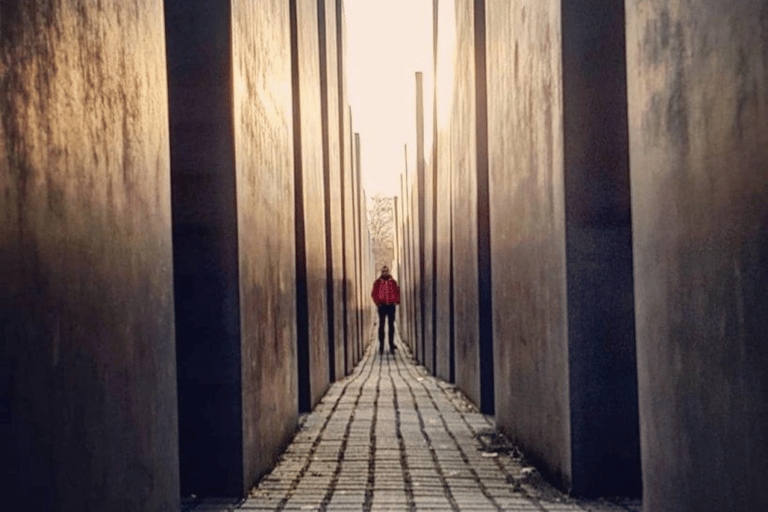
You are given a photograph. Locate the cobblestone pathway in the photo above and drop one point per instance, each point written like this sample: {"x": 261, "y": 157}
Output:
{"x": 391, "y": 437}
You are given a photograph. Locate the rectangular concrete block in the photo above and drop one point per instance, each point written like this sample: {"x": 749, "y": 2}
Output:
{"x": 312, "y": 304}
{"x": 698, "y": 121}
{"x": 345, "y": 170}
{"x": 355, "y": 274}
{"x": 208, "y": 343}
{"x": 408, "y": 283}
{"x": 266, "y": 229}
{"x": 234, "y": 239}
{"x": 444, "y": 83}
{"x": 424, "y": 186}
{"x": 356, "y": 221}
{"x": 414, "y": 286}
{"x": 329, "y": 86}
{"x": 561, "y": 241}
{"x": 464, "y": 203}
{"x": 361, "y": 221}
{"x": 432, "y": 197}
{"x": 87, "y": 362}
{"x": 601, "y": 339}
{"x": 528, "y": 230}
{"x": 404, "y": 273}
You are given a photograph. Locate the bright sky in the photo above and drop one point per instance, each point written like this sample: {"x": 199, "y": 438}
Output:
{"x": 387, "y": 42}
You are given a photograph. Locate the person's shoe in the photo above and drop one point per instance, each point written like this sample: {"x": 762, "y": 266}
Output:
{"x": 392, "y": 348}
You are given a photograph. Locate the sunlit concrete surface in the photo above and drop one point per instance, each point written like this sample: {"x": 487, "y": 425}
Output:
{"x": 234, "y": 238}
{"x": 329, "y": 91}
{"x": 311, "y": 284}
{"x": 391, "y": 437}
{"x": 87, "y": 365}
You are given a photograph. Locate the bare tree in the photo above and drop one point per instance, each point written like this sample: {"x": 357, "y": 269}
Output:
{"x": 381, "y": 223}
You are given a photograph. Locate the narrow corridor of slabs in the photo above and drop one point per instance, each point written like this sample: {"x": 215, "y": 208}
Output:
{"x": 391, "y": 437}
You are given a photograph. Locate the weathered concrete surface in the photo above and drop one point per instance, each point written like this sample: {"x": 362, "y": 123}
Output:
{"x": 414, "y": 286}
{"x": 562, "y": 283}
{"x": 444, "y": 19}
{"x": 87, "y": 375}
{"x": 263, "y": 138}
{"x": 361, "y": 220}
{"x": 528, "y": 229}
{"x": 234, "y": 239}
{"x": 425, "y": 350}
{"x": 205, "y": 248}
{"x": 355, "y": 274}
{"x": 403, "y": 320}
{"x": 432, "y": 197}
{"x": 484, "y": 292}
{"x": 312, "y": 317}
{"x": 698, "y": 119}
{"x": 464, "y": 204}
{"x": 332, "y": 186}
{"x": 602, "y": 371}
{"x": 345, "y": 170}
{"x": 407, "y": 287}
{"x": 408, "y": 284}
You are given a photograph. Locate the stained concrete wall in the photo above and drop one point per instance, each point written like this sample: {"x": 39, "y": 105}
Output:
{"x": 232, "y": 164}
{"x": 403, "y": 320}
{"x": 264, "y": 157}
{"x": 332, "y": 186}
{"x": 88, "y": 401}
{"x": 205, "y": 249}
{"x": 464, "y": 204}
{"x": 409, "y": 284}
{"x": 432, "y": 198}
{"x": 423, "y": 198}
{"x": 347, "y": 212}
{"x": 561, "y": 269}
{"x": 528, "y": 229}
{"x": 601, "y": 339}
{"x": 698, "y": 119}
{"x": 362, "y": 229}
{"x": 312, "y": 317}
{"x": 355, "y": 238}
{"x": 357, "y": 221}
{"x": 414, "y": 287}
{"x": 408, "y": 287}
{"x": 444, "y": 20}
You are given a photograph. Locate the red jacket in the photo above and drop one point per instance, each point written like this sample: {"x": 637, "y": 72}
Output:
{"x": 385, "y": 291}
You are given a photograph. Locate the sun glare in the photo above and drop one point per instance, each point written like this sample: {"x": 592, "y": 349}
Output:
{"x": 388, "y": 42}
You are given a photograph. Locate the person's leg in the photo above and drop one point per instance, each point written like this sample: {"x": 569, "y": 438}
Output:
{"x": 391, "y": 318}
{"x": 382, "y": 316}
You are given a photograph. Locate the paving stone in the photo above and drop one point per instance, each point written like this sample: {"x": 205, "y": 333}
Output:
{"x": 437, "y": 453}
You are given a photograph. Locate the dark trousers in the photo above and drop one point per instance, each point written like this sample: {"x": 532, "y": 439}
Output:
{"x": 387, "y": 311}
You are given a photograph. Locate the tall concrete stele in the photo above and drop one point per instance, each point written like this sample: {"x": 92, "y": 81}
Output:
{"x": 626, "y": 166}
{"x": 88, "y": 415}
{"x": 164, "y": 211}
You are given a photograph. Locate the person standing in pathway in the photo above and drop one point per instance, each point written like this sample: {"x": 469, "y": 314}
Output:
{"x": 386, "y": 295}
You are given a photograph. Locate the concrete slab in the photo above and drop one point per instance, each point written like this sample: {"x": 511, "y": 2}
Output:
{"x": 87, "y": 358}
{"x": 234, "y": 240}
{"x": 312, "y": 305}
{"x": 699, "y": 146}
{"x": 561, "y": 267}
{"x": 329, "y": 88}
